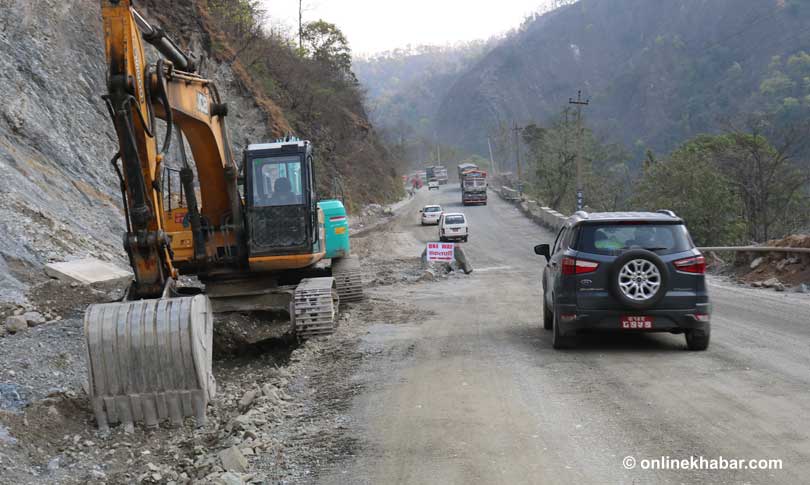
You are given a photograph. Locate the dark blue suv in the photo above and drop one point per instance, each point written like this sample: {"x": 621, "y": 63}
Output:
{"x": 625, "y": 272}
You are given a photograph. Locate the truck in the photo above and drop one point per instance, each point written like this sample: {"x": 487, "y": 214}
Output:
{"x": 463, "y": 167}
{"x": 438, "y": 173}
{"x": 474, "y": 187}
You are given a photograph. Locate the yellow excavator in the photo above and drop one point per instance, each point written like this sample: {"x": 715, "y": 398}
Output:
{"x": 253, "y": 234}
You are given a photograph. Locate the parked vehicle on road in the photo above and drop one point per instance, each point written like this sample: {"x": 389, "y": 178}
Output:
{"x": 625, "y": 272}
{"x": 430, "y": 214}
{"x": 433, "y": 184}
{"x": 453, "y": 227}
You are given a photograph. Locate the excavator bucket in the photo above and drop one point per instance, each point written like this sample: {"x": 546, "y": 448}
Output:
{"x": 150, "y": 360}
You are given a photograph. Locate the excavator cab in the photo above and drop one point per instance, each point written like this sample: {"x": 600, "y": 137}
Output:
{"x": 284, "y": 222}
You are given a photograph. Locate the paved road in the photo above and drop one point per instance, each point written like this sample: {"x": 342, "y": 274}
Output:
{"x": 474, "y": 393}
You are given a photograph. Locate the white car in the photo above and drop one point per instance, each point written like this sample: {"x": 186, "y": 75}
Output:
{"x": 433, "y": 184}
{"x": 431, "y": 214}
{"x": 453, "y": 227}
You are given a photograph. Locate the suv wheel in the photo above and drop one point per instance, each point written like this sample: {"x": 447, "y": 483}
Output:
{"x": 697, "y": 339}
{"x": 548, "y": 317}
{"x": 639, "y": 279}
{"x": 559, "y": 341}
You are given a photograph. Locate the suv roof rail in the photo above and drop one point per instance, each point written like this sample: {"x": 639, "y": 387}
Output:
{"x": 667, "y": 212}
{"x": 582, "y": 214}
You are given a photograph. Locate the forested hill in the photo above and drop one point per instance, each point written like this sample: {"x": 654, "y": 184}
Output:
{"x": 657, "y": 72}
{"x": 404, "y": 87}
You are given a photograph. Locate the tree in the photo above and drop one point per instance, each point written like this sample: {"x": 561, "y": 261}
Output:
{"x": 325, "y": 43}
{"x": 758, "y": 159}
{"x": 691, "y": 184}
{"x": 552, "y": 165}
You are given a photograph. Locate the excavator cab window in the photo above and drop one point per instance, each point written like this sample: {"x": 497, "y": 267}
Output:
{"x": 281, "y": 215}
{"x": 277, "y": 181}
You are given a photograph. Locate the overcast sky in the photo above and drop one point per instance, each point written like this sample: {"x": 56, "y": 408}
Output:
{"x": 378, "y": 25}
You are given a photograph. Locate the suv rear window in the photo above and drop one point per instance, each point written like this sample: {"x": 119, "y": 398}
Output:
{"x": 614, "y": 238}
{"x": 454, "y": 220}
{"x": 433, "y": 209}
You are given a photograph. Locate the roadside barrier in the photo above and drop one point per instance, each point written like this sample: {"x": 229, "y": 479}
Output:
{"x": 757, "y": 249}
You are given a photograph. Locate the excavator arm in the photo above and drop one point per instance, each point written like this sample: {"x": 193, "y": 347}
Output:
{"x": 149, "y": 358}
{"x": 138, "y": 94}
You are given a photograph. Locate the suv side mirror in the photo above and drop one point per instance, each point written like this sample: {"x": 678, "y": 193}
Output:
{"x": 420, "y": 210}
{"x": 543, "y": 250}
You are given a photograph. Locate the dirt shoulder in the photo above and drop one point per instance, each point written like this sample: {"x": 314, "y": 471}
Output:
{"x": 279, "y": 414}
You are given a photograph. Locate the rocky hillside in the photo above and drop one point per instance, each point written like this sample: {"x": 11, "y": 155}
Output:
{"x": 657, "y": 73}
{"x": 58, "y": 194}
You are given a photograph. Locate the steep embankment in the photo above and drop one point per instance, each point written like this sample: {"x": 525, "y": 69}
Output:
{"x": 657, "y": 72}
{"x": 59, "y": 196}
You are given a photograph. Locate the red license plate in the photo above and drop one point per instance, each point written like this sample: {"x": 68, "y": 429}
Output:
{"x": 636, "y": 323}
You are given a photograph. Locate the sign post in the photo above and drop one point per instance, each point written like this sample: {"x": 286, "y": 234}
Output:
{"x": 440, "y": 252}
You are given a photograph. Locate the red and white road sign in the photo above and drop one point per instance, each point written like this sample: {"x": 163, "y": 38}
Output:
{"x": 440, "y": 251}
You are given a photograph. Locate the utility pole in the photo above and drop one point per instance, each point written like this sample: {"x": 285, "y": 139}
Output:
{"x": 517, "y": 129}
{"x": 300, "y": 24}
{"x": 491, "y": 158}
{"x": 579, "y": 104}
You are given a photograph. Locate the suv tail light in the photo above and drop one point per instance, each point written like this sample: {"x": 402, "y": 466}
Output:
{"x": 694, "y": 265}
{"x": 572, "y": 266}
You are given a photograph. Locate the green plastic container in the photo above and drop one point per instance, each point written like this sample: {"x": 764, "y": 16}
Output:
{"x": 336, "y": 226}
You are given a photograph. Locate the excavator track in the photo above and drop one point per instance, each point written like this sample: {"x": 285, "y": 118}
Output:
{"x": 316, "y": 307}
{"x": 348, "y": 278}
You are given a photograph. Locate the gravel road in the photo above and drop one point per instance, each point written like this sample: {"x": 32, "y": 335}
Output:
{"x": 469, "y": 390}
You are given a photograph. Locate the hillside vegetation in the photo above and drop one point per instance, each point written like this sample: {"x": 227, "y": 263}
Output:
{"x": 309, "y": 91}
{"x": 405, "y": 87}
{"x": 657, "y": 73}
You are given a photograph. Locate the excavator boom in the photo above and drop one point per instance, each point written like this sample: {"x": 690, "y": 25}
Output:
{"x": 149, "y": 358}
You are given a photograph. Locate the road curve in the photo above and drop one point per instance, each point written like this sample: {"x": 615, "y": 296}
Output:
{"x": 474, "y": 393}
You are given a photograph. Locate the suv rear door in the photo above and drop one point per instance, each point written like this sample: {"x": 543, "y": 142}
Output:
{"x": 593, "y": 290}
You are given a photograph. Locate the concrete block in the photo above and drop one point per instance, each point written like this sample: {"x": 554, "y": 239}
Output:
{"x": 87, "y": 272}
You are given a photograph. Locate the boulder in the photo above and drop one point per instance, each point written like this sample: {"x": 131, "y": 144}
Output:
{"x": 461, "y": 260}
{"x": 233, "y": 460}
{"x": 427, "y": 275}
{"x": 229, "y": 478}
{"x": 34, "y": 318}
{"x": 16, "y": 323}
{"x": 248, "y": 398}
{"x": 756, "y": 262}
{"x": 771, "y": 283}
